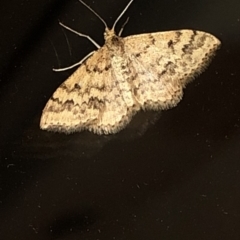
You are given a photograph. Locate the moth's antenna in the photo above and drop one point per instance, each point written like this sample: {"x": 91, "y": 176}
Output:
{"x": 94, "y": 13}
{"x": 124, "y": 10}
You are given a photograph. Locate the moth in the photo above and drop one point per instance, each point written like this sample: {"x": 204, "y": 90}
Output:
{"x": 140, "y": 72}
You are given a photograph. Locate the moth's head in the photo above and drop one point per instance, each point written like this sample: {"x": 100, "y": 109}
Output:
{"x": 108, "y": 34}
{"x": 113, "y": 42}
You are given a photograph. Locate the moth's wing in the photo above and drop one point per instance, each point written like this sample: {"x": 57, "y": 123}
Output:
{"x": 165, "y": 62}
{"x": 77, "y": 102}
{"x": 91, "y": 98}
{"x": 118, "y": 99}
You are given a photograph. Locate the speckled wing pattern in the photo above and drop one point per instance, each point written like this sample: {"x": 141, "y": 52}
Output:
{"x": 91, "y": 98}
{"x": 146, "y": 71}
{"x": 166, "y": 62}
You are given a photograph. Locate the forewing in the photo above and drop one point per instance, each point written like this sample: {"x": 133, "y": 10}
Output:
{"x": 78, "y": 101}
{"x": 165, "y": 62}
{"x": 91, "y": 98}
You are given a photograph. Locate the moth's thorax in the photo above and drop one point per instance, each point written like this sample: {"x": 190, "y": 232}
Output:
{"x": 112, "y": 41}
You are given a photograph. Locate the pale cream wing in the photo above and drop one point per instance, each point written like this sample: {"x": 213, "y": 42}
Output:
{"x": 95, "y": 97}
{"x": 77, "y": 102}
{"x": 165, "y": 62}
{"x": 119, "y": 102}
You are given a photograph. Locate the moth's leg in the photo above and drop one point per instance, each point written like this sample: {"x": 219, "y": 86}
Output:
{"x": 80, "y": 34}
{"x": 120, "y": 32}
{"x": 74, "y": 65}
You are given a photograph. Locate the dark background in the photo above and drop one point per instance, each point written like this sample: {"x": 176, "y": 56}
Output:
{"x": 173, "y": 175}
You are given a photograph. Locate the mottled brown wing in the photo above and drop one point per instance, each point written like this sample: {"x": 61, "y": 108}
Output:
{"x": 91, "y": 98}
{"x": 165, "y": 62}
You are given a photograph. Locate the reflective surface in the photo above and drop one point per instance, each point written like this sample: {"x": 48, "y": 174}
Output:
{"x": 169, "y": 175}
